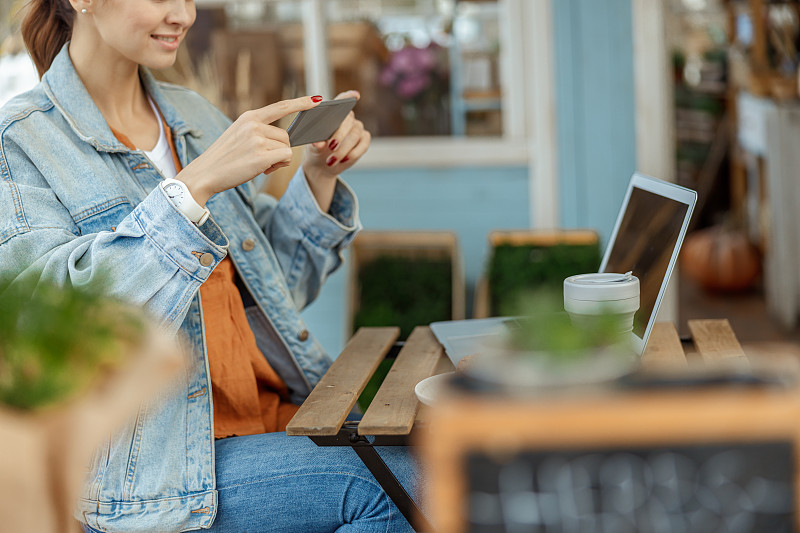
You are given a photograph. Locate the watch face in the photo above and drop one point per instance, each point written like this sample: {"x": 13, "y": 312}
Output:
{"x": 175, "y": 193}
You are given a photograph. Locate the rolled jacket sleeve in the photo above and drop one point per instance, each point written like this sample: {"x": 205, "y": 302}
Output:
{"x": 336, "y": 228}
{"x": 307, "y": 241}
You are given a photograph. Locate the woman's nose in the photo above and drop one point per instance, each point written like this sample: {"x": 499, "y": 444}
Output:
{"x": 182, "y": 12}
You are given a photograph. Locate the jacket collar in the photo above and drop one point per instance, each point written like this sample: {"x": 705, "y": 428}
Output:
{"x": 65, "y": 88}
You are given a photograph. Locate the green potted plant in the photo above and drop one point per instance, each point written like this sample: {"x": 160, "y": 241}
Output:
{"x": 74, "y": 365}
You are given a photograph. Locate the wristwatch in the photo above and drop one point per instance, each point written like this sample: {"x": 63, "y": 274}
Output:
{"x": 178, "y": 193}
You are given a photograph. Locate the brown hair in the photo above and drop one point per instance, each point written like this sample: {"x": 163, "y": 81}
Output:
{"x": 47, "y": 26}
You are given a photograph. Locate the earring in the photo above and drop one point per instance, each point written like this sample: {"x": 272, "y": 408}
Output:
{"x": 84, "y": 11}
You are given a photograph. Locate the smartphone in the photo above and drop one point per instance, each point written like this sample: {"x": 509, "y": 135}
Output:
{"x": 320, "y": 122}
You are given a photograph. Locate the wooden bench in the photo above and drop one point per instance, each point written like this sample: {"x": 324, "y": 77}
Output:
{"x": 395, "y": 406}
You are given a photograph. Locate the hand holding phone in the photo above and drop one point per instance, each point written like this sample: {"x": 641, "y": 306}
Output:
{"x": 320, "y": 122}
{"x": 248, "y": 147}
{"x": 334, "y": 150}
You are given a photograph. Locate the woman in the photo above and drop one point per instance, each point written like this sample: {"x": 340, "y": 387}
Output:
{"x": 106, "y": 170}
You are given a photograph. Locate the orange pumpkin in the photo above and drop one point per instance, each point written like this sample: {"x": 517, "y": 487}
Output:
{"x": 719, "y": 258}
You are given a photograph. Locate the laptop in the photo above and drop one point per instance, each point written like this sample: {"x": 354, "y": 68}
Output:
{"x": 646, "y": 240}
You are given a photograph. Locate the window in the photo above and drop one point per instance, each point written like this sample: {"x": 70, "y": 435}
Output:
{"x": 423, "y": 67}
{"x": 494, "y": 77}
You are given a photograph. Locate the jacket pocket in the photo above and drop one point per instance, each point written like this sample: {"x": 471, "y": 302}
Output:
{"x": 102, "y": 216}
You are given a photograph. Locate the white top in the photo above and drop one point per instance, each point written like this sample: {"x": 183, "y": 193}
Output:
{"x": 161, "y": 155}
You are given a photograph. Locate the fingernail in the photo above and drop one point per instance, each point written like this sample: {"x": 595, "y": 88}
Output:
{"x": 331, "y": 160}
{"x": 316, "y": 99}
{"x": 333, "y": 144}
{"x": 345, "y": 159}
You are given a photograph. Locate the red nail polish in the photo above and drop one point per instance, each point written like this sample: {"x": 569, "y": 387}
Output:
{"x": 331, "y": 160}
{"x": 333, "y": 144}
{"x": 316, "y": 99}
{"x": 345, "y": 159}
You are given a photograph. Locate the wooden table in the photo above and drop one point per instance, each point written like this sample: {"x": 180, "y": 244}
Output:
{"x": 392, "y": 415}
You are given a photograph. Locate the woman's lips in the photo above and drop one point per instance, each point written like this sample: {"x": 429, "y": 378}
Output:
{"x": 168, "y": 42}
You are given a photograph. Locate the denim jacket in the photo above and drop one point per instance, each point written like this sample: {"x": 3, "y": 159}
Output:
{"x": 74, "y": 201}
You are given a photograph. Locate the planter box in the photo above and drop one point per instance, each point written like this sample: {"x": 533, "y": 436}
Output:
{"x": 419, "y": 247}
{"x": 545, "y": 250}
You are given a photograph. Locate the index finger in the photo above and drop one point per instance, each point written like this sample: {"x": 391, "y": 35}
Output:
{"x": 271, "y": 113}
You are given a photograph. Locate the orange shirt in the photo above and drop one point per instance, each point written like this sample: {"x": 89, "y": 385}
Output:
{"x": 249, "y": 396}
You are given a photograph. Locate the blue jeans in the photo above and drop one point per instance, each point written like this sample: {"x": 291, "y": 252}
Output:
{"x": 274, "y": 483}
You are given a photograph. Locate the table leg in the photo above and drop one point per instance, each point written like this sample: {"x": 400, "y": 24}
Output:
{"x": 348, "y": 436}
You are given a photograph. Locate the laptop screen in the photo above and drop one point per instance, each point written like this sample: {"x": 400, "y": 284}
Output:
{"x": 647, "y": 240}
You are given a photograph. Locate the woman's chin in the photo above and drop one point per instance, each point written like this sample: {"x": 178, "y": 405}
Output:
{"x": 161, "y": 60}
{"x": 160, "y": 64}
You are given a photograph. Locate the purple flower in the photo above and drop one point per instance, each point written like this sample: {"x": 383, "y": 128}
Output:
{"x": 411, "y": 71}
{"x": 412, "y": 86}
{"x": 387, "y": 77}
{"x": 405, "y": 60}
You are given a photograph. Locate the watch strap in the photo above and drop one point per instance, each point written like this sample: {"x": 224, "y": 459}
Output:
{"x": 189, "y": 206}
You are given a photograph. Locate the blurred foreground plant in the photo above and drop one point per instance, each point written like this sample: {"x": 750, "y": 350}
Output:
{"x": 55, "y": 341}
{"x": 75, "y": 365}
{"x": 544, "y": 332}
{"x": 542, "y": 349}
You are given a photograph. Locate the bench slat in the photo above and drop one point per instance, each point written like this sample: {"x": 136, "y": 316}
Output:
{"x": 664, "y": 349}
{"x": 395, "y": 406}
{"x": 328, "y": 405}
{"x": 715, "y": 341}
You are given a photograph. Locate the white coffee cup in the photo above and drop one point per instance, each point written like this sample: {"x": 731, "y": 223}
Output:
{"x": 587, "y": 296}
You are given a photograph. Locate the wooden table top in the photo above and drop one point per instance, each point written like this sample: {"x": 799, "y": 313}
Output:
{"x": 395, "y": 407}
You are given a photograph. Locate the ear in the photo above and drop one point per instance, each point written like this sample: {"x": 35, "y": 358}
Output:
{"x": 82, "y": 7}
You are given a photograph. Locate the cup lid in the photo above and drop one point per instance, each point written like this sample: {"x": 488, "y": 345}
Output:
{"x": 601, "y": 286}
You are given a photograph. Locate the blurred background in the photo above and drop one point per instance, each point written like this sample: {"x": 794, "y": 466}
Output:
{"x": 528, "y": 115}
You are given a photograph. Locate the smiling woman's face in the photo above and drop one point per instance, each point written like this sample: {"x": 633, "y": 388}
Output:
{"x": 147, "y": 32}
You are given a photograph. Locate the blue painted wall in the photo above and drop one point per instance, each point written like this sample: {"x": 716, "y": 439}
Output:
{"x": 595, "y": 109}
{"x": 469, "y": 201}
{"x": 593, "y": 51}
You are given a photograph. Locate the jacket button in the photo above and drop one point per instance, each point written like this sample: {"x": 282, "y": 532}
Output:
{"x": 303, "y": 335}
{"x": 206, "y": 260}
{"x": 248, "y": 244}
